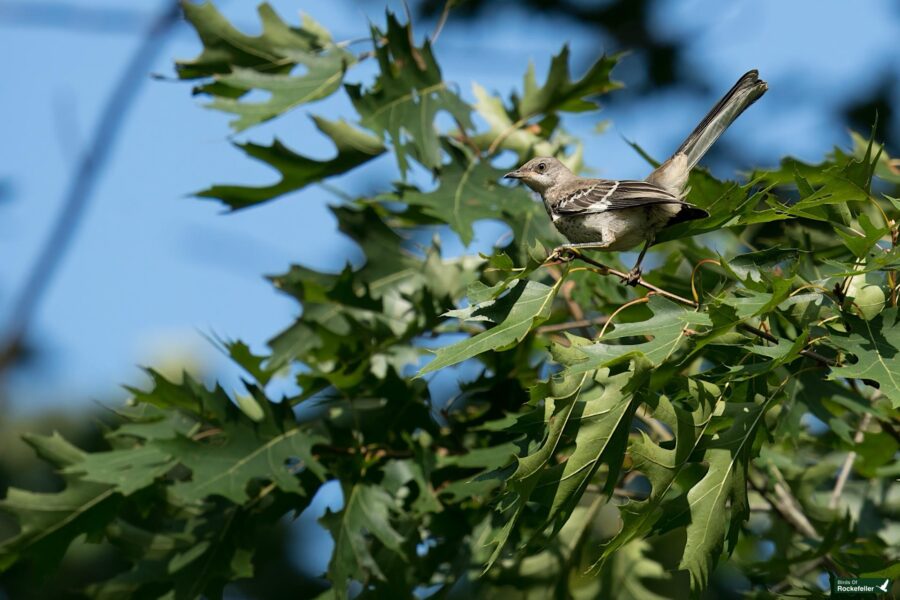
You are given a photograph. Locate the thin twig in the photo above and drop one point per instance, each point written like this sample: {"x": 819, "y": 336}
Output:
{"x": 641, "y": 282}
{"x": 371, "y": 451}
{"x": 206, "y": 433}
{"x": 662, "y": 434}
{"x": 84, "y": 181}
{"x": 577, "y": 324}
{"x": 505, "y": 134}
{"x": 786, "y": 507}
{"x": 705, "y": 261}
{"x": 642, "y": 300}
{"x": 573, "y": 307}
{"x": 441, "y": 21}
{"x": 667, "y": 294}
{"x": 844, "y": 473}
{"x": 806, "y": 570}
{"x": 771, "y": 338}
{"x": 790, "y": 507}
{"x": 464, "y": 137}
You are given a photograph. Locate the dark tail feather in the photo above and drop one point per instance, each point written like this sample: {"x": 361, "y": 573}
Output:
{"x": 745, "y": 92}
{"x": 688, "y": 212}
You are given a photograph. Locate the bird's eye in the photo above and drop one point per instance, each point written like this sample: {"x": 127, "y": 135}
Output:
{"x": 542, "y": 167}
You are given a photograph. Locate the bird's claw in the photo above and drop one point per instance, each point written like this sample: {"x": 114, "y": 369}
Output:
{"x": 562, "y": 255}
{"x": 634, "y": 277}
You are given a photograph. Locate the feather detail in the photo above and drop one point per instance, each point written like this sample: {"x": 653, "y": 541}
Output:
{"x": 596, "y": 196}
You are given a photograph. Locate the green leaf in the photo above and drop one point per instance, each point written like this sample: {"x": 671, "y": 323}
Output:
{"x": 240, "y": 64}
{"x": 718, "y": 502}
{"x": 527, "y": 305}
{"x": 861, "y": 243}
{"x": 128, "y": 470}
{"x": 629, "y": 571}
{"x": 886, "y": 167}
{"x": 240, "y": 353}
{"x": 234, "y": 451}
{"x": 322, "y": 77}
{"x": 240, "y": 456}
{"x": 468, "y": 192}
{"x": 354, "y": 148}
{"x": 728, "y": 204}
{"x": 875, "y": 344}
{"x": 49, "y": 522}
{"x": 224, "y": 47}
{"x": 663, "y": 465}
{"x": 354, "y": 314}
{"x": 765, "y": 265}
{"x": 560, "y": 93}
{"x": 367, "y": 513}
{"x": 600, "y": 425}
{"x": 524, "y": 141}
{"x": 559, "y": 395}
{"x": 407, "y": 96}
{"x": 666, "y": 328}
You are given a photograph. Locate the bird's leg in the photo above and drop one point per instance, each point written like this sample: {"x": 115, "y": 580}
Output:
{"x": 569, "y": 252}
{"x": 634, "y": 276}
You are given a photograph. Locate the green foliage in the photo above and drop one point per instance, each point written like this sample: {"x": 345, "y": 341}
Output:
{"x": 601, "y": 441}
{"x": 872, "y": 346}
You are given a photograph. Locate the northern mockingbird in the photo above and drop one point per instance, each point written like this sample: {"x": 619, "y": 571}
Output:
{"x": 618, "y": 215}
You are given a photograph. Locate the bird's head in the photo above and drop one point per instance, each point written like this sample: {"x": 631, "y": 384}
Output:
{"x": 541, "y": 173}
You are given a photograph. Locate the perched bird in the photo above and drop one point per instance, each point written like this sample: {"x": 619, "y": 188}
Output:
{"x": 618, "y": 215}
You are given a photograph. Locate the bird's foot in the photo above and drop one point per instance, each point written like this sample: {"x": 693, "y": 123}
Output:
{"x": 562, "y": 254}
{"x": 634, "y": 277}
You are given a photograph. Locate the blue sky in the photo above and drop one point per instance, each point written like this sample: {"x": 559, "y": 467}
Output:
{"x": 153, "y": 271}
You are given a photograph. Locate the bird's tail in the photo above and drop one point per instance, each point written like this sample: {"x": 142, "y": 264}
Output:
{"x": 745, "y": 92}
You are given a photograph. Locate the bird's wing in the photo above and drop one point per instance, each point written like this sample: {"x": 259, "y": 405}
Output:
{"x": 606, "y": 195}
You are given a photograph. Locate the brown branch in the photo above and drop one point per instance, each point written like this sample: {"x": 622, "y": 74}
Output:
{"x": 641, "y": 282}
{"x": 844, "y": 473}
{"x": 771, "y": 338}
{"x": 667, "y": 294}
{"x": 574, "y": 309}
{"x": 577, "y": 324}
{"x": 206, "y": 433}
{"x": 789, "y": 509}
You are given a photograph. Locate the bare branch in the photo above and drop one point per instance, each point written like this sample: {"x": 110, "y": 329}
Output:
{"x": 790, "y": 511}
{"x": 844, "y": 473}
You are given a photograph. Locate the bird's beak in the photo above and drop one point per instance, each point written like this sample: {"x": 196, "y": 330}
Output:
{"x": 517, "y": 174}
